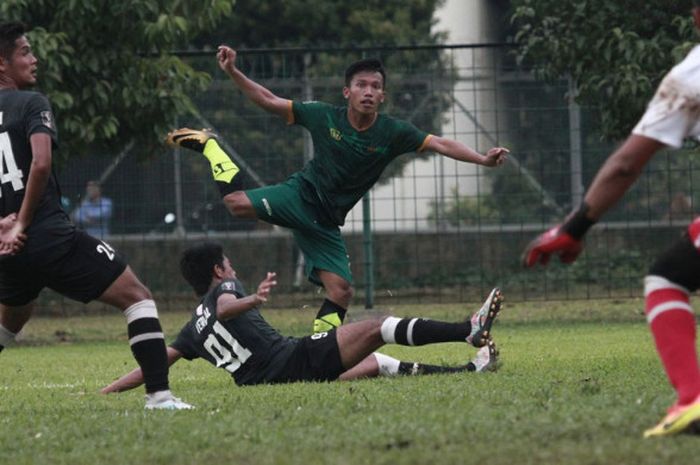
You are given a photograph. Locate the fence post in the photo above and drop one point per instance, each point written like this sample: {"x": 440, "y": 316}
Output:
{"x": 576, "y": 167}
{"x": 367, "y": 247}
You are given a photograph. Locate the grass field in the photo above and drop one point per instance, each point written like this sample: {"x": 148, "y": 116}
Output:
{"x": 578, "y": 385}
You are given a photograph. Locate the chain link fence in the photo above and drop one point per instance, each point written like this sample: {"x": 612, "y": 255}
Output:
{"x": 441, "y": 231}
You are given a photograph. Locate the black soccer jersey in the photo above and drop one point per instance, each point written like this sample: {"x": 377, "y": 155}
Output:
{"x": 23, "y": 113}
{"x": 246, "y": 346}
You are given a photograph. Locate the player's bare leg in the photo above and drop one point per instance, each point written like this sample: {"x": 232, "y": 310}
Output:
{"x": 357, "y": 343}
{"x": 12, "y": 320}
{"x": 339, "y": 292}
{"x": 239, "y": 205}
{"x": 145, "y": 338}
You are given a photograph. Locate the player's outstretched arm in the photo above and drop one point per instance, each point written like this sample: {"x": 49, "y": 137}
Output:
{"x": 615, "y": 177}
{"x": 458, "y": 151}
{"x": 135, "y": 377}
{"x": 229, "y": 306}
{"x": 258, "y": 94}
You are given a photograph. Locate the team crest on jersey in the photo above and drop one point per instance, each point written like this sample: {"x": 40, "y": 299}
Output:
{"x": 228, "y": 286}
{"x": 335, "y": 134}
{"x": 47, "y": 119}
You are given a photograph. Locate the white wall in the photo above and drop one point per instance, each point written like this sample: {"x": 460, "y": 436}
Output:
{"x": 404, "y": 203}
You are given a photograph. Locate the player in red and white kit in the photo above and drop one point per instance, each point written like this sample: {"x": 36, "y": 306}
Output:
{"x": 672, "y": 115}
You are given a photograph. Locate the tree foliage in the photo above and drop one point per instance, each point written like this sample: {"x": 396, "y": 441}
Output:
{"x": 300, "y": 23}
{"x": 330, "y": 25}
{"x": 106, "y": 65}
{"x": 616, "y": 52}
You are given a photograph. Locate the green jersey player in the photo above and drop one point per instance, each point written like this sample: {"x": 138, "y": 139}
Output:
{"x": 352, "y": 146}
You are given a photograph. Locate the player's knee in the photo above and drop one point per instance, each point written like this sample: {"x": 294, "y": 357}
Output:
{"x": 372, "y": 332}
{"x": 136, "y": 292}
{"x": 680, "y": 265}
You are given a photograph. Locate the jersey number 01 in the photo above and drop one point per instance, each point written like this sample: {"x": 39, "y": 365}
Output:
{"x": 227, "y": 352}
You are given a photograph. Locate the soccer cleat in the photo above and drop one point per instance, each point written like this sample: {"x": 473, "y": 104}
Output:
{"x": 486, "y": 358}
{"x": 679, "y": 419}
{"x": 165, "y": 400}
{"x": 190, "y": 138}
{"x": 223, "y": 169}
{"x": 483, "y": 319}
{"x": 326, "y": 323}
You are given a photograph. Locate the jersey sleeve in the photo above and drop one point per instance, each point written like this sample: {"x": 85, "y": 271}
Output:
{"x": 39, "y": 117}
{"x": 229, "y": 287}
{"x": 303, "y": 113}
{"x": 672, "y": 115}
{"x": 184, "y": 343}
{"x": 408, "y": 138}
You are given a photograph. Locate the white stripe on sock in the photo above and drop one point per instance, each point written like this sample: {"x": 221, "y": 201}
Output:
{"x": 145, "y": 337}
{"x": 655, "y": 283}
{"x": 409, "y": 332}
{"x": 668, "y": 306}
{"x": 389, "y": 329}
{"x": 143, "y": 309}
{"x": 388, "y": 366}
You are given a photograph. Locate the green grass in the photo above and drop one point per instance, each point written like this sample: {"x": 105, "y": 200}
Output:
{"x": 580, "y": 381}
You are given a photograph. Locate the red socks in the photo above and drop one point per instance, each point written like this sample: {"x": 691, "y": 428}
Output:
{"x": 672, "y": 323}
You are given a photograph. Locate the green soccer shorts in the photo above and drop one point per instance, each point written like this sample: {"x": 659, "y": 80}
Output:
{"x": 322, "y": 245}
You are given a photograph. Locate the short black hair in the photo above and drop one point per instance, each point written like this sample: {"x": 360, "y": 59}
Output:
{"x": 9, "y": 33}
{"x": 367, "y": 64}
{"x": 197, "y": 263}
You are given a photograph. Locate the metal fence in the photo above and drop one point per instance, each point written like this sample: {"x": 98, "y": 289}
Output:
{"x": 441, "y": 231}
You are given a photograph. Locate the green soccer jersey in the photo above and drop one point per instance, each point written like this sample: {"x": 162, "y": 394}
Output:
{"x": 348, "y": 162}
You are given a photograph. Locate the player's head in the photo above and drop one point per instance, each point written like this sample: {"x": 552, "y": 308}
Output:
{"x": 9, "y": 33}
{"x": 364, "y": 86}
{"x": 371, "y": 65}
{"x": 17, "y": 62}
{"x": 93, "y": 189}
{"x": 198, "y": 263}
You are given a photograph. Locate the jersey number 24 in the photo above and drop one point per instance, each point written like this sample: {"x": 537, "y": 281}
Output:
{"x": 8, "y": 166}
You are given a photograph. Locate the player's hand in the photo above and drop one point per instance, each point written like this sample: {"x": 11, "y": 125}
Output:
{"x": 226, "y": 56}
{"x": 496, "y": 156}
{"x": 555, "y": 241}
{"x": 12, "y": 236}
{"x": 266, "y": 286}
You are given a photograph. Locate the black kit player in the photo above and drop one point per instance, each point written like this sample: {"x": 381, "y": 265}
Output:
{"x": 39, "y": 246}
{"x": 352, "y": 146}
{"x": 228, "y": 331}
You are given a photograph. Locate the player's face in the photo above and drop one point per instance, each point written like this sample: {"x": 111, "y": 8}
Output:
{"x": 20, "y": 69}
{"x": 229, "y": 272}
{"x": 366, "y": 92}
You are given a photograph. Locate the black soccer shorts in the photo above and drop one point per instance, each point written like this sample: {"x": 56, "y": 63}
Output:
{"x": 81, "y": 269}
{"x": 315, "y": 358}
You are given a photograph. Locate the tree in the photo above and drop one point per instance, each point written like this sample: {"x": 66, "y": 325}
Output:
{"x": 106, "y": 65}
{"x": 330, "y": 24}
{"x": 616, "y": 52}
